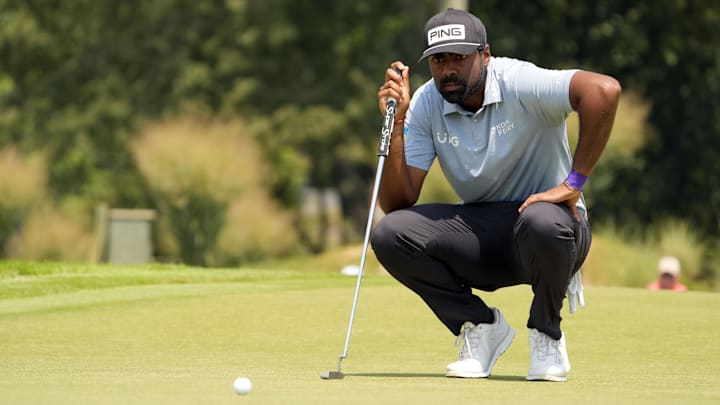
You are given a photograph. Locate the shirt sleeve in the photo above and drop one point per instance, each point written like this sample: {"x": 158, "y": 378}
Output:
{"x": 544, "y": 93}
{"x": 419, "y": 147}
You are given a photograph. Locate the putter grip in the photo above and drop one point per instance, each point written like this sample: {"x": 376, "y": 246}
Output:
{"x": 391, "y": 100}
{"x": 388, "y": 123}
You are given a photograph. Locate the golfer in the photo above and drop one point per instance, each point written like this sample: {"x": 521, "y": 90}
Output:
{"x": 497, "y": 128}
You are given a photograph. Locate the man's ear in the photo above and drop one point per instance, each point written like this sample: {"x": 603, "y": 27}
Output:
{"x": 486, "y": 54}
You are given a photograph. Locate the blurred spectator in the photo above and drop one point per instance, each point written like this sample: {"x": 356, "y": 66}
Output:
{"x": 668, "y": 275}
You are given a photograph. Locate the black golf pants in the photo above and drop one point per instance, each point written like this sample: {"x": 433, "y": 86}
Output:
{"x": 443, "y": 251}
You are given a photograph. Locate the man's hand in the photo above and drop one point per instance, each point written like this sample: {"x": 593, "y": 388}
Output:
{"x": 396, "y": 86}
{"x": 561, "y": 193}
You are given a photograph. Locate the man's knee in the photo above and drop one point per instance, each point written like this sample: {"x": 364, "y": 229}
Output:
{"x": 544, "y": 223}
{"x": 395, "y": 239}
{"x": 381, "y": 235}
{"x": 384, "y": 235}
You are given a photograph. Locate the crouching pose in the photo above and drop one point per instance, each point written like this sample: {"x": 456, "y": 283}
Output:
{"x": 497, "y": 127}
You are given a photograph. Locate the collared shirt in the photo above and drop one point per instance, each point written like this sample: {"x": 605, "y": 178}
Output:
{"x": 677, "y": 286}
{"x": 514, "y": 146}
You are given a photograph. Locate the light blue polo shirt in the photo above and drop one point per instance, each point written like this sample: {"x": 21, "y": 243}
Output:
{"x": 514, "y": 146}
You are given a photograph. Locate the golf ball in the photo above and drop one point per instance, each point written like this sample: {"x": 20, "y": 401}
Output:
{"x": 242, "y": 385}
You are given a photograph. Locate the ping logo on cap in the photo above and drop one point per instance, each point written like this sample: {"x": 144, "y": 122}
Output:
{"x": 445, "y": 33}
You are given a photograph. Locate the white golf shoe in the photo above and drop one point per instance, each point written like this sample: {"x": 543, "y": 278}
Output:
{"x": 482, "y": 344}
{"x": 548, "y": 358}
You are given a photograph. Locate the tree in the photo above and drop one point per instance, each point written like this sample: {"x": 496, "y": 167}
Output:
{"x": 669, "y": 50}
{"x": 77, "y": 77}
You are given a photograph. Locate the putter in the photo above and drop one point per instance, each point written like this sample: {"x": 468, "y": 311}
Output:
{"x": 387, "y": 128}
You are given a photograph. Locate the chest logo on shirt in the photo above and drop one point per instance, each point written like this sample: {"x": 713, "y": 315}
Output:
{"x": 444, "y": 137}
{"x": 501, "y": 129}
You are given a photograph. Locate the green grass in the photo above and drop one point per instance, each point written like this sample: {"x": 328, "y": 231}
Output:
{"x": 173, "y": 334}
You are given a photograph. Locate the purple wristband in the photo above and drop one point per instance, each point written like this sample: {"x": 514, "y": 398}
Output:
{"x": 576, "y": 180}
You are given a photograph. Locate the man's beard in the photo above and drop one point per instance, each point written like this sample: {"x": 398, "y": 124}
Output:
{"x": 463, "y": 92}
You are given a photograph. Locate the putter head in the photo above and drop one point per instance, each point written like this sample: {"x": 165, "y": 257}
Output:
{"x": 332, "y": 375}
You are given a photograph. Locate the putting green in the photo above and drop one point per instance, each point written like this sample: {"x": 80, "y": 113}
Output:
{"x": 186, "y": 343}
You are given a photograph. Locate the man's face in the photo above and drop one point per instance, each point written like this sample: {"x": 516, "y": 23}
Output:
{"x": 667, "y": 281}
{"x": 458, "y": 77}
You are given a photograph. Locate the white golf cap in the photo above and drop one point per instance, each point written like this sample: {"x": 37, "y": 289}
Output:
{"x": 669, "y": 265}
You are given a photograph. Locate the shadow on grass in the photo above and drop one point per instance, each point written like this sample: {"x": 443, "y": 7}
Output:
{"x": 434, "y": 375}
{"x": 507, "y": 378}
{"x": 397, "y": 375}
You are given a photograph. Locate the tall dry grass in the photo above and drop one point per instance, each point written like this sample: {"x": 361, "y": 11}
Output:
{"x": 204, "y": 156}
{"x": 23, "y": 178}
{"x": 51, "y": 234}
{"x": 211, "y": 184}
{"x": 256, "y": 228}
{"x": 23, "y": 181}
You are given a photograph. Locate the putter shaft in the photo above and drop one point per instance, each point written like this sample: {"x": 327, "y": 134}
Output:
{"x": 368, "y": 230}
{"x": 383, "y": 150}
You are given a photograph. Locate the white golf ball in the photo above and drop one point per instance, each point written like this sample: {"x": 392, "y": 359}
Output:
{"x": 242, "y": 385}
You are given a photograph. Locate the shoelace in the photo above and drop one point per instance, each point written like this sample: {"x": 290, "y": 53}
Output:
{"x": 465, "y": 336}
{"x": 542, "y": 345}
